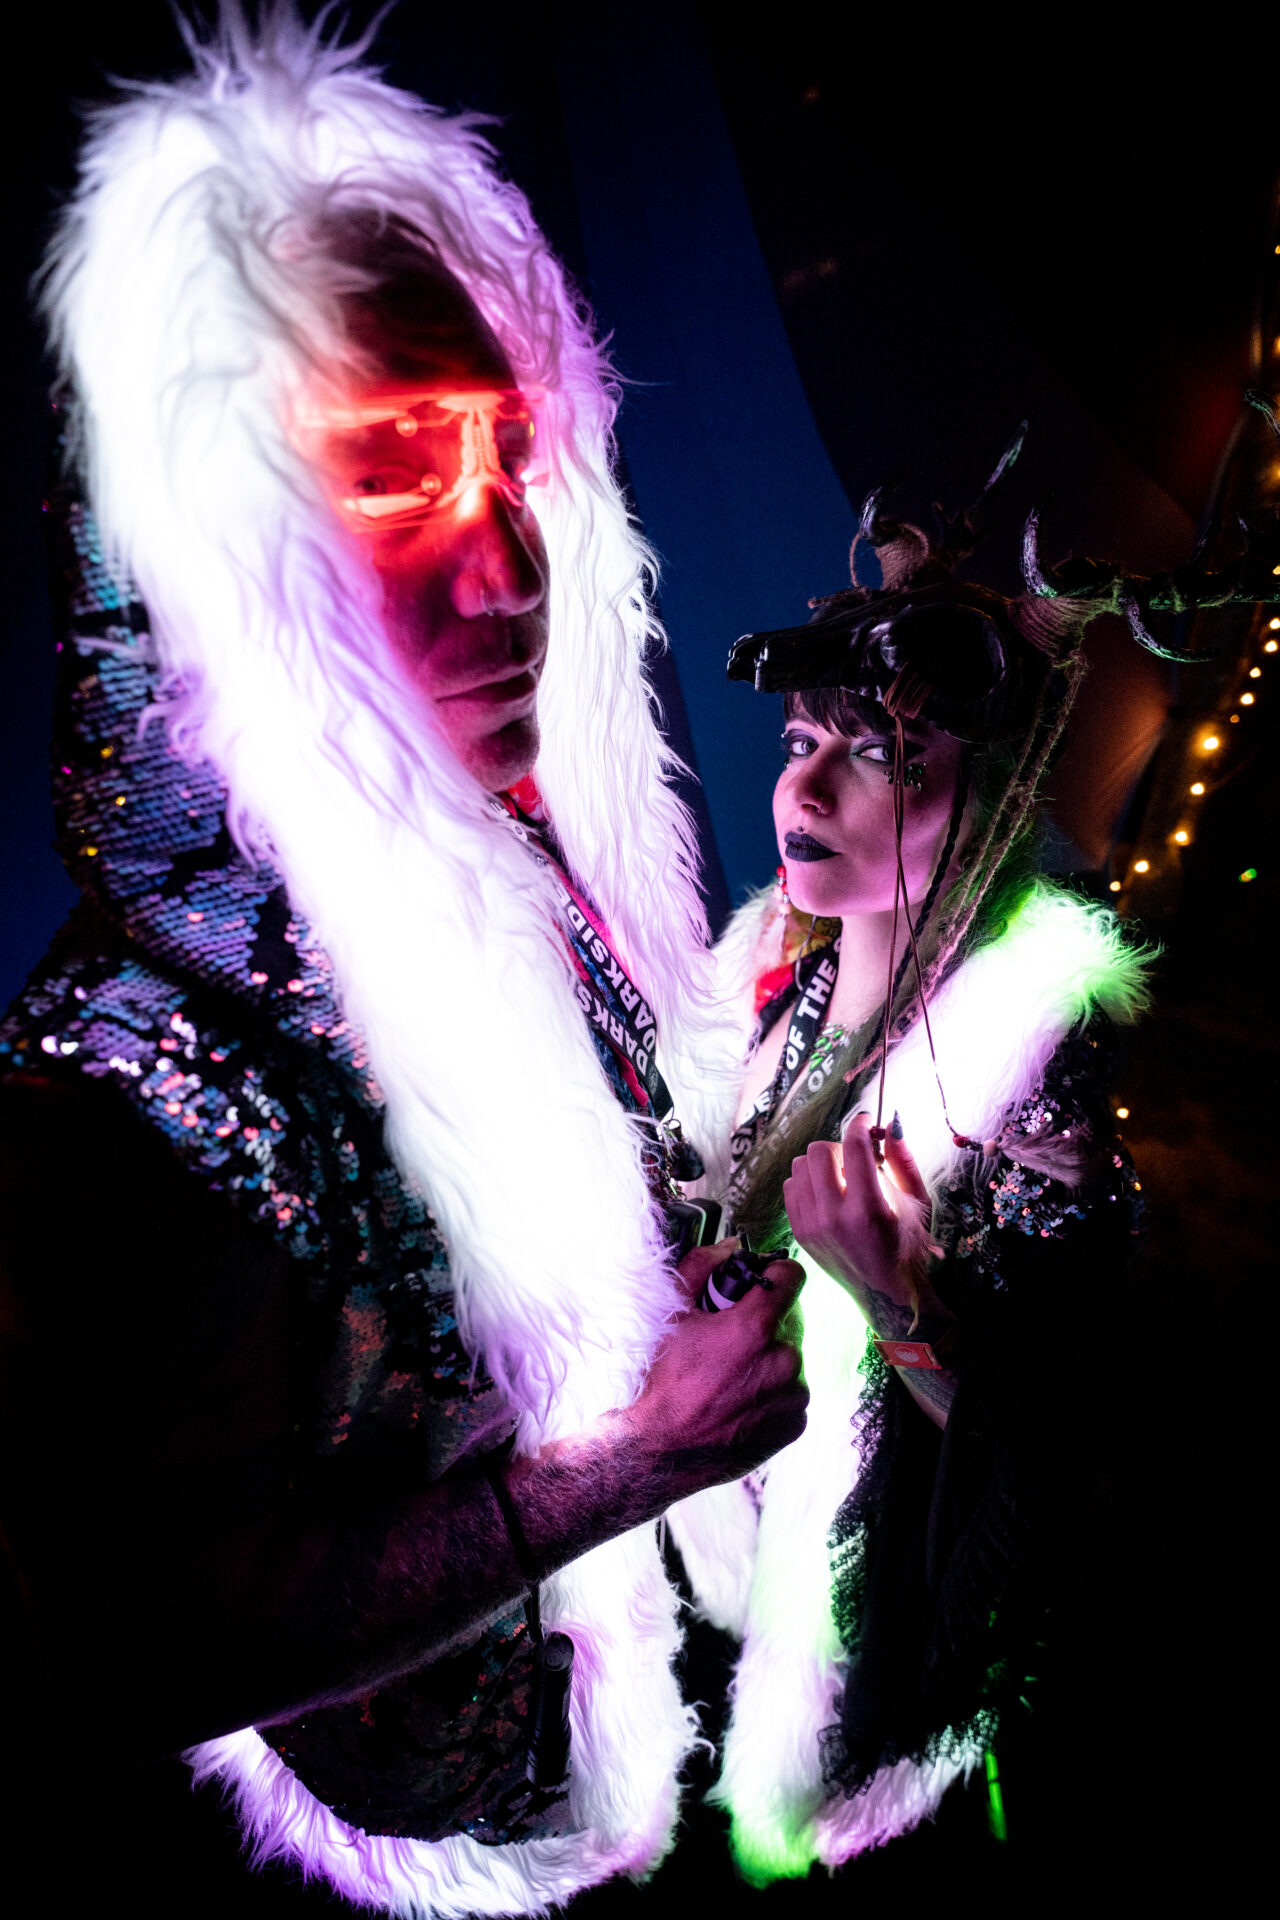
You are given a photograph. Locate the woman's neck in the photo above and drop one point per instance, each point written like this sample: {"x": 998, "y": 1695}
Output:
{"x": 863, "y": 972}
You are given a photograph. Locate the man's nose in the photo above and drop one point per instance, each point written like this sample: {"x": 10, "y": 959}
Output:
{"x": 502, "y": 562}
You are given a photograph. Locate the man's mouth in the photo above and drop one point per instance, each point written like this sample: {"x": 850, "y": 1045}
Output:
{"x": 803, "y": 846}
{"x": 509, "y": 692}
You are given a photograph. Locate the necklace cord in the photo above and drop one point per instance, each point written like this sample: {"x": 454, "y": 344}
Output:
{"x": 898, "y": 891}
{"x": 900, "y": 895}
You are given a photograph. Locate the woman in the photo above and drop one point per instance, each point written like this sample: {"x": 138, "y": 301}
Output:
{"x": 924, "y": 1111}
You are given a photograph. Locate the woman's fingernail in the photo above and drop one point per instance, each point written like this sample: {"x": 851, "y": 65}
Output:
{"x": 895, "y": 1127}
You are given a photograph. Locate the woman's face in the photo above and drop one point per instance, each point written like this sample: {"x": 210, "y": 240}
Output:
{"x": 833, "y": 811}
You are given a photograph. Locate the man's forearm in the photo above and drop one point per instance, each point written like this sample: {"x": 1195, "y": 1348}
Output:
{"x": 340, "y": 1604}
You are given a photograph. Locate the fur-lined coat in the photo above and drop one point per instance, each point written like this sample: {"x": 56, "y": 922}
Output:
{"x": 881, "y": 1579}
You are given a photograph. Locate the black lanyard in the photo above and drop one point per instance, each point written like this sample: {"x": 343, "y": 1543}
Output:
{"x": 605, "y": 990}
{"x": 805, "y": 1021}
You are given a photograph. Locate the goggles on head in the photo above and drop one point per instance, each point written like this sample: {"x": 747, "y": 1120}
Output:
{"x": 424, "y": 453}
{"x": 943, "y": 652}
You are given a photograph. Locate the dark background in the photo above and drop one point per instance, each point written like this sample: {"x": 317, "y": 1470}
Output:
{"x": 825, "y": 255}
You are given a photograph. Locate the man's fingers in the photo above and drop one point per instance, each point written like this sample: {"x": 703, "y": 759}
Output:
{"x": 785, "y": 1274}
{"x": 700, "y": 1262}
{"x": 771, "y": 1303}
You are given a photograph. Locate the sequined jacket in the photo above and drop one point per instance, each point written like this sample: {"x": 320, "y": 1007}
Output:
{"x": 186, "y": 1006}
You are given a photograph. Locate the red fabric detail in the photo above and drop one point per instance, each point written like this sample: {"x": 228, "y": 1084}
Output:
{"x": 526, "y": 796}
{"x": 771, "y": 983}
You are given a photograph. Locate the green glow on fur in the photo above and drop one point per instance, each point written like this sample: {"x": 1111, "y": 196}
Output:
{"x": 1058, "y": 960}
{"x": 761, "y": 1858}
{"x": 995, "y": 1799}
{"x": 1110, "y": 970}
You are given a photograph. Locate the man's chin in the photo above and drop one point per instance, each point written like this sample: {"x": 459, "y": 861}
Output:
{"x": 498, "y": 760}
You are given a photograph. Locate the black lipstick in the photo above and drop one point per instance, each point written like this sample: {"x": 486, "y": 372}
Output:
{"x": 803, "y": 846}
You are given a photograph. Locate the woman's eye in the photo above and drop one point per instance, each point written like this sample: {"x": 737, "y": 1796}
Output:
{"x": 370, "y": 483}
{"x": 878, "y": 750}
{"x": 796, "y": 746}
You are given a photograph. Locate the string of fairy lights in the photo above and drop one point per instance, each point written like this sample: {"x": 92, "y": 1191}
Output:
{"x": 1216, "y": 732}
{"x": 1208, "y": 752}
{"x": 1211, "y": 736}
{"x": 1207, "y": 759}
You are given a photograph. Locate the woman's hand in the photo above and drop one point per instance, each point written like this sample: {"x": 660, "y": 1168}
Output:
{"x": 858, "y": 1228}
{"x": 872, "y": 1235}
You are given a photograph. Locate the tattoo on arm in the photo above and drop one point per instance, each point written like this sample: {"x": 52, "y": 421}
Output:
{"x": 891, "y": 1319}
{"x": 933, "y": 1391}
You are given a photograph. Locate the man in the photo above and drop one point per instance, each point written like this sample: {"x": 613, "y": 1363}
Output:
{"x": 340, "y": 1314}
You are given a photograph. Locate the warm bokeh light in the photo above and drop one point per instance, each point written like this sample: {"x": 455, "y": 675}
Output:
{"x": 1122, "y": 1113}
{"x": 1246, "y": 699}
{"x": 1274, "y": 625}
{"x": 1198, "y": 786}
{"x": 1210, "y": 741}
{"x": 1142, "y": 866}
{"x": 1271, "y": 646}
{"x": 1250, "y": 873}
{"x": 1115, "y": 886}
{"x": 1182, "y": 836}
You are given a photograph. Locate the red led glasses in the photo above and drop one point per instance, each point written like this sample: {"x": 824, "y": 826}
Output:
{"x": 399, "y": 459}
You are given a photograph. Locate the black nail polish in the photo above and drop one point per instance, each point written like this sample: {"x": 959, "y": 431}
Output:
{"x": 895, "y": 1127}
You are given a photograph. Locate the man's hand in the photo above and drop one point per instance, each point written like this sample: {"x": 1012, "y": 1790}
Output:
{"x": 726, "y": 1390}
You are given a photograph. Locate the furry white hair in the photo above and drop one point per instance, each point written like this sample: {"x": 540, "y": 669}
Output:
{"x": 191, "y": 302}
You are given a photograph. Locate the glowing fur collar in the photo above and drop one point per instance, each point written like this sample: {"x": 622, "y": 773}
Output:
{"x": 188, "y": 301}
{"x": 763, "y": 1574}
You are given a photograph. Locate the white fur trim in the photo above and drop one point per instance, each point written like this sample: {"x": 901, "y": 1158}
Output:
{"x": 717, "y": 1532}
{"x": 999, "y": 1019}
{"x": 630, "y": 1735}
{"x": 789, "y": 1671}
{"x": 897, "y": 1800}
{"x": 996, "y": 1025}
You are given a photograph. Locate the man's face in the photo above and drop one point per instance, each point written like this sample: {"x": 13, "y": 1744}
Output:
{"x": 424, "y": 462}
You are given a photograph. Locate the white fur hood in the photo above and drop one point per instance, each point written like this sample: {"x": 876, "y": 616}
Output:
{"x": 189, "y": 302}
